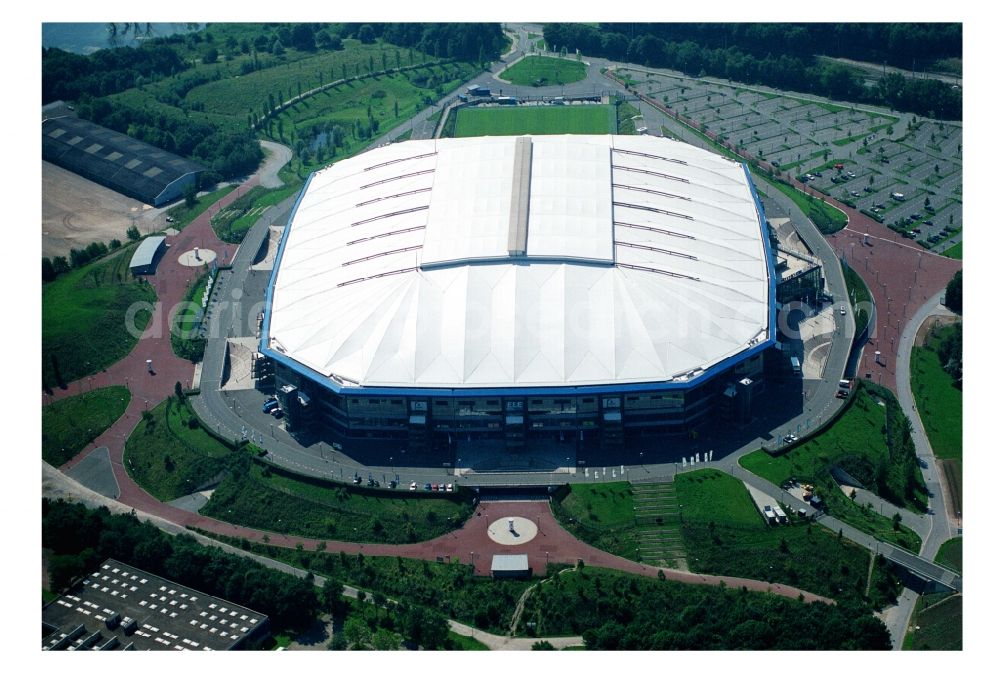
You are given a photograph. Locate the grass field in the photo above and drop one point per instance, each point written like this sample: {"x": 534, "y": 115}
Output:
{"x": 724, "y": 534}
{"x": 83, "y": 317}
{"x": 580, "y": 119}
{"x": 950, "y": 554}
{"x": 460, "y": 642}
{"x": 826, "y": 217}
{"x": 184, "y": 338}
{"x": 234, "y": 96}
{"x": 953, "y": 251}
{"x": 543, "y": 71}
{"x": 861, "y": 299}
{"x": 602, "y": 515}
{"x": 625, "y": 114}
{"x": 938, "y": 400}
{"x": 183, "y": 216}
{"x": 169, "y": 456}
{"x": 232, "y": 223}
{"x": 711, "y": 496}
{"x": 390, "y": 100}
{"x": 857, "y": 443}
{"x": 938, "y": 627}
{"x": 280, "y": 502}
{"x": 69, "y": 424}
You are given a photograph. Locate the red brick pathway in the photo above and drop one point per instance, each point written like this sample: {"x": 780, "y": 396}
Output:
{"x": 170, "y": 281}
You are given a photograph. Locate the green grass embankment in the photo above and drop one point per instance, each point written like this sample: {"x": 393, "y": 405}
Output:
{"x": 69, "y": 424}
{"x": 84, "y": 314}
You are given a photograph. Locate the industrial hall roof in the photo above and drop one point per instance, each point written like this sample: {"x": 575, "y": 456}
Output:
{"x": 545, "y": 261}
{"x": 112, "y": 159}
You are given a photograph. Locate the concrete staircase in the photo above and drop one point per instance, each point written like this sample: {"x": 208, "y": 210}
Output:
{"x": 658, "y": 522}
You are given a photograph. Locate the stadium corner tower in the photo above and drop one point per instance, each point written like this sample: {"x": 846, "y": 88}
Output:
{"x": 581, "y": 289}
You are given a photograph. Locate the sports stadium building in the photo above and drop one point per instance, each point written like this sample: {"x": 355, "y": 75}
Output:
{"x": 549, "y": 287}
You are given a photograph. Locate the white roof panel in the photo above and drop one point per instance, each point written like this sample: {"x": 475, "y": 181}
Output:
{"x": 644, "y": 261}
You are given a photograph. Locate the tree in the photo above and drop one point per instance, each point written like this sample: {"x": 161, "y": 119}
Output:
{"x": 303, "y": 37}
{"x": 356, "y": 633}
{"x": 366, "y": 34}
{"x": 48, "y": 271}
{"x": 953, "y": 293}
{"x": 132, "y": 233}
{"x": 277, "y": 48}
{"x": 60, "y": 265}
{"x": 211, "y": 55}
{"x": 178, "y": 391}
{"x": 190, "y": 195}
{"x": 385, "y": 640}
{"x": 542, "y": 645}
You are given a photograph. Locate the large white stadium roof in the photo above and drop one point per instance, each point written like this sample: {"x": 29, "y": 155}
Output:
{"x": 545, "y": 261}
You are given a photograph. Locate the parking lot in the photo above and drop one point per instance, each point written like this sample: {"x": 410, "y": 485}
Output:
{"x": 860, "y": 156}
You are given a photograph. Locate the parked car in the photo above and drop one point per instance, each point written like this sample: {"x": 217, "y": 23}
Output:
{"x": 413, "y": 485}
{"x": 278, "y": 413}
{"x": 843, "y": 310}
{"x": 449, "y": 488}
{"x": 434, "y": 487}
{"x": 427, "y": 487}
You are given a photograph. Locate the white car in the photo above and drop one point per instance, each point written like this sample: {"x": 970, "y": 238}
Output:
{"x": 413, "y": 485}
{"x": 843, "y": 310}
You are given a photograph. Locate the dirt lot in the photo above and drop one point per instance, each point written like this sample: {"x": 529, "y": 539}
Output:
{"x": 76, "y": 212}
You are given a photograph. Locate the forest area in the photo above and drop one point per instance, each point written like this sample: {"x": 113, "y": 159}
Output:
{"x": 784, "y": 56}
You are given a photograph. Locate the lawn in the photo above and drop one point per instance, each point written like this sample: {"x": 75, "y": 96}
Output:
{"x": 602, "y": 515}
{"x": 232, "y": 223}
{"x": 950, "y": 554}
{"x": 861, "y": 298}
{"x": 184, "y": 338}
{"x": 938, "y": 400}
{"x": 236, "y": 94}
{"x": 625, "y": 113}
{"x": 938, "y": 627}
{"x": 541, "y": 71}
{"x": 183, "y": 215}
{"x": 953, "y": 252}
{"x": 858, "y": 444}
{"x": 271, "y": 499}
{"x": 170, "y": 454}
{"x": 460, "y": 642}
{"x": 361, "y": 110}
{"x": 69, "y": 424}
{"x": 711, "y": 496}
{"x": 84, "y": 316}
{"x": 510, "y": 121}
{"x": 724, "y": 534}
{"x": 827, "y": 218}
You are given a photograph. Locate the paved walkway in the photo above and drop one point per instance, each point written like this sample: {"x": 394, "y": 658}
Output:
{"x": 149, "y": 389}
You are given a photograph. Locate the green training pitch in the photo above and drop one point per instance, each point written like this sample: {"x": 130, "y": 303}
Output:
{"x": 544, "y": 70}
{"x": 579, "y": 119}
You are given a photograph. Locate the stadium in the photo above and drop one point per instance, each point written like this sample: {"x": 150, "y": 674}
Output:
{"x": 581, "y": 289}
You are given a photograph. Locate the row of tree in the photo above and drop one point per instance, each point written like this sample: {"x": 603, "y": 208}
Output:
{"x": 906, "y": 45}
{"x": 57, "y": 265}
{"x": 767, "y": 62}
{"x": 82, "y": 538}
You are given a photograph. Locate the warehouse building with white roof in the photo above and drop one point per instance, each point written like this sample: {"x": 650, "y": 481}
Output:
{"x": 516, "y": 287}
